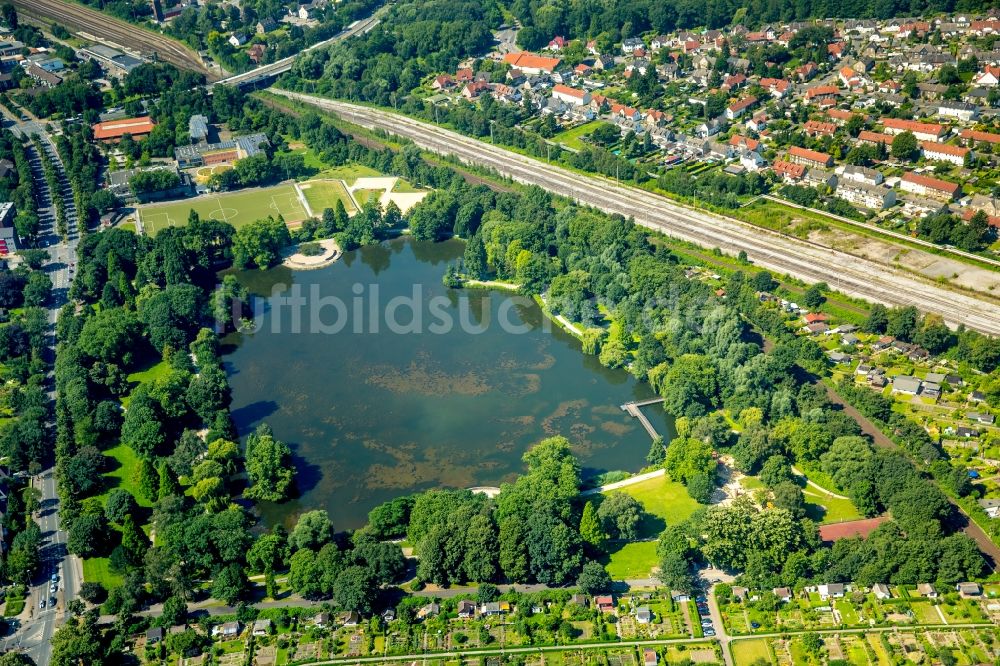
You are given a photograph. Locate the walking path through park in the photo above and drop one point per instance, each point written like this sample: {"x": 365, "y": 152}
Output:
{"x": 816, "y": 486}
{"x": 631, "y": 481}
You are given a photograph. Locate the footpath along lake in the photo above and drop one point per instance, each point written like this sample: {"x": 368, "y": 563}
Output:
{"x": 372, "y": 413}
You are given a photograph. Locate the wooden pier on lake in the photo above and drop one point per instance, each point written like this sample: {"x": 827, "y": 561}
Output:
{"x": 635, "y": 409}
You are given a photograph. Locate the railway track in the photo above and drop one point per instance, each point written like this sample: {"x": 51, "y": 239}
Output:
{"x": 783, "y": 254}
{"x": 79, "y": 18}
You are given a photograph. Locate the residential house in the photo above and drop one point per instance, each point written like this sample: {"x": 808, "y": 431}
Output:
{"x": 873, "y": 197}
{"x": 154, "y": 635}
{"x": 266, "y": 25}
{"x": 430, "y": 610}
{"x": 261, "y": 627}
{"x": 822, "y": 94}
{"x": 839, "y": 357}
{"x": 860, "y": 174}
{"x": 830, "y": 591}
{"x": 981, "y": 417}
{"x": 605, "y": 603}
{"x": 739, "y": 107}
{"x": 349, "y": 619}
{"x": 976, "y": 135}
{"x": 788, "y": 171}
{"x": 557, "y": 43}
{"x": 237, "y": 39}
{"x": 443, "y": 82}
{"x": 817, "y": 177}
{"x": 991, "y": 507}
{"x": 530, "y": 63}
{"x": 643, "y": 615}
{"x": 923, "y": 131}
{"x": 226, "y": 631}
{"x": 875, "y": 138}
{"x": 466, "y": 609}
{"x": 906, "y": 384}
{"x": 632, "y": 44}
{"x": 927, "y": 591}
{"x": 491, "y": 608}
{"x": 650, "y": 657}
{"x": 967, "y": 590}
{"x": 810, "y": 158}
{"x": 881, "y": 591}
{"x": 961, "y": 110}
{"x": 322, "y": 620}
{"x": 475, "y": 89}
{"x": 817, "y": 128}
{"x": 777, "y": 87}
{"x": 988, "y": 78}
{"x": 943, "y": 152}
{"x": 710, "y": 128}
{"x": 44, "y": 78}
{"x": 930, "y": 187}
{"x": 572, "y": 96}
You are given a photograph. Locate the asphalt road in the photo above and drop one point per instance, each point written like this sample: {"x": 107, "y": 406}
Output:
{"x": 849, "y": 274}
{"x": 34, "y": 636}
{"x": 77, "y": 17}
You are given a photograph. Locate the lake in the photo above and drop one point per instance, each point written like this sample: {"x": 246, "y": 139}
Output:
{"x": 383, "y": 402}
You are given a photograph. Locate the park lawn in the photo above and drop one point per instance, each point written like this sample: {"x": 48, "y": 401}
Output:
{"x": 632, "y": 560}
{"x": 749, "y": 651}
{"x": 404, "y": 187}
{"x": 571, "y": 137}
{"x": 309, "y": 157}
{"x": 826, "y": 509}
{"x": 350, "y": 172}
{"x": 238, "y": 208}
{"x": 98, "y": 570}
{"x": 14, "y": 606}
{"x": 664, "y": 499}
{"x": 124, "y": 475}
{"x": 322, "y": 194}
{"x": 364, "y": 194}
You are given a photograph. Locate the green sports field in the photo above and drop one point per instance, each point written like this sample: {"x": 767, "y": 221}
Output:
{"x": 236, "y": 208}
{"x": 322, "y": 194}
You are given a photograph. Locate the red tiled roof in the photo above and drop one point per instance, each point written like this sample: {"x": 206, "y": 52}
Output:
{"x": 817, "y": 127}
{"x": 874, "y": 137}
{"x": 115, "y": 129}
{"x": 784, "y": 168}
{"x": 810, "y": 155}
{"x": 566, "y": 90}
{"x": 913, "y": 126}
{"x": 851, "y": 528}
{"x": 526, "y": 60}
{"x": 943, "y": 149}
{"x": 822, "y": 91}
{"x": 976, "y": 135}
{"x": 839, "y": 114}
{"x": 931, "y": 183}
{"x": 992, "y": 220}
{"x": 742, "y": 103}
{"x": 737, "y": 140}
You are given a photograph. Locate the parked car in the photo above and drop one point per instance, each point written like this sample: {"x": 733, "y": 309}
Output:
{"x": 41, "y": 604}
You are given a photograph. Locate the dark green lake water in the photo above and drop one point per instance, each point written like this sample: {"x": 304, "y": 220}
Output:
{"x": 371, "y": 415}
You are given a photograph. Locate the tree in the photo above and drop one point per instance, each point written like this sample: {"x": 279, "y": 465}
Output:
{"x": 878, "y": 319}
{"x": 620, "y": 515}
{"x": 593, "y": 579}
{"x": 148, "y": 478}
{"x": 267, "y": 554}
{"x": 88, "y": 536}
{"x": 475, "y": 258}
{"x": 134, "y": 540}
{"x": 590, "y": 527}
{"x": 312, "y": 530}
{"x": 259, "y": 244}
{"x": 175, "y": 611}
{"x": 268, "y": 466}
{"x": 353, "y": 590}
{"x": 813, "y": 297}
{"x": 904, "y": 146}
{"x": 118, "y": 505}
{"x": 93, "y": 592}
{"x": 657, "y": 452}
{"x": 78, "y": 642}
{"x": 229, "y": 583}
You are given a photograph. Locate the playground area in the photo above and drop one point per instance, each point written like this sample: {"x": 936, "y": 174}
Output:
{"x": 202, "y": 174}
{"x": 236, "y": 208}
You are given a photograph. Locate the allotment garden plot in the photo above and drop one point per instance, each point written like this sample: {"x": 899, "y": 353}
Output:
{"x": 237, "y": 208}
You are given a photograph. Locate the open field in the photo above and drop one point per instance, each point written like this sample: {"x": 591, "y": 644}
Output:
{"x": 322, "y": 194}
{"x": 667, "y": 503}
{"x": 98, "y": 570}
{"x": 237, "y": 208}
